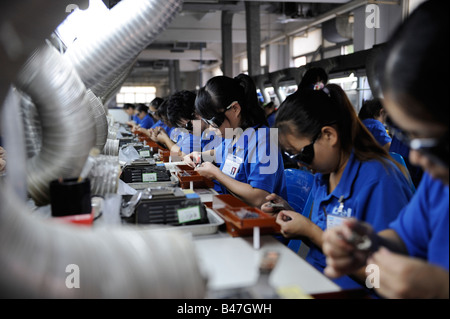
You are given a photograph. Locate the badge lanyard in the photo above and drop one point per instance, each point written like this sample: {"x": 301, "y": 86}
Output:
{"x": 338, "y": 215}
{"x": 232, "y": 162}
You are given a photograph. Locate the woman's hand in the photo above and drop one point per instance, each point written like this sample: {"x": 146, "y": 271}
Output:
{"x": 143, "y": 131}
{"x": 343, "y": 256}
{"x": 208, "y": 170}
{"x": 294, "y": 224}
{"x": 277, "y": 200}
{"x": 162, "y": 137}
{"x": 406, "y": 277}
{"x": 193, "y": 159}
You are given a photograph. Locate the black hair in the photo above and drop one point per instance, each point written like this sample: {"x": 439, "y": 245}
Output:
{"x": 162, "y": 113}
{"x": 370, "y": 109}
{"x": 156, "y": 102}
{"x": 312, "y": 76}
{"x": 127, "y": 106}
{"x": 141, "y": 107}
{"x": 220, "y": 91}
{"x": 306, "y": 112}
{"x": 415, "y": 64}
{"x": 180, "y": 106}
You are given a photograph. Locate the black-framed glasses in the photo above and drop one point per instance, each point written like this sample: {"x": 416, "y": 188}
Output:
{"x": 217, "y": 121}
{"x": 306, "y": 155}
{"x": 189, "y": 126}
{"x": 436, "y": 148}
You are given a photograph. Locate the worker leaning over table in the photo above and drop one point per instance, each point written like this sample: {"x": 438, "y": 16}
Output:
{"x": 251, "y": 165}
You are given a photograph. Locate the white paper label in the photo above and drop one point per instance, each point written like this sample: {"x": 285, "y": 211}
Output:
{"x": 188, "y": 214}
{"x": 333, "y": 221}
{"x": 144, "y": 153}
{"x": 232, "y": 165}
{"x": 149, "y": 177}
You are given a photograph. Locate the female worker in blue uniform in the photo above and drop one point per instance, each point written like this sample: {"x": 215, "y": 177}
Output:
{"x": 251, "y": 166}
{"x": 412, "y": 254}
{"x": 145, "y": 121}
{"x": 189, "y": 132}
{"x": 355, "y": 176}
{"x": 373, "y": 116}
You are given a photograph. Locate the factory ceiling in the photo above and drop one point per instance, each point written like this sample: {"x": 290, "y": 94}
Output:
{"x": 194, "y": 37}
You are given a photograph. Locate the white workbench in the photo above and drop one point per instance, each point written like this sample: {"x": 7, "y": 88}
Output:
{"x": 232, "y": 262}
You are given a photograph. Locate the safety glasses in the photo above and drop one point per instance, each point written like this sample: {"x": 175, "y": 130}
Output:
{"x": 435, "y": 148}
{"x": 217, "y": 121}
{"x": 306, "y": 155}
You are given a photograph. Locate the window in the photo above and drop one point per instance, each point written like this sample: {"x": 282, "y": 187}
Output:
{"x": 298, "y": 62}
{"x": 347, "y": 49}
{"x": 307, "y": 43}
{"x": 244, "y": 65}
{"x": 263, "y": 57}
{"x": 136, "y": 94}
{"x": 350, "y": 85}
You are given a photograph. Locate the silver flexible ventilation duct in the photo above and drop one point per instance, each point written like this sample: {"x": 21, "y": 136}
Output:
{"x": 68, "y": 132}
{"x": 114, "y": 83}
{"x": 40, "y": 258}
{"x": 130, "y": 27}
{"x": 101, "y": 123}
{"x": 32, "y": 125}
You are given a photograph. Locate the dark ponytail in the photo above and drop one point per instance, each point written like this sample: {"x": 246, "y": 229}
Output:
{"x": 307, "y": 111}
{"x": 220, "y": 91}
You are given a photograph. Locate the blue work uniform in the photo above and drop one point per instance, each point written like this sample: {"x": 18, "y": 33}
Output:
{"x": 423, "y": 224}
{"x": 136, "y": 119}
{"x": 166, "y": 128}
{"x": 415, "y": 171}
{"x": 146, "y": 122}
{"x": 255, "y": 160}
{"x": 378, "y": 131}
{"x": 371, "y": 191}
{"x": 271, "y": 119}
{"x": 189, "y": 142}
{"x": 210, "y": 140}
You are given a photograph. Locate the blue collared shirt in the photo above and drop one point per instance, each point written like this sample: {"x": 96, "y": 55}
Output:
{"x": 136, "y": 119}
{"x": 423, "y": 225}
{"x": 378, "y": 131}
{"x": 261, "y": 161}
{"x": 373, "y": 192}
{"x": 146, "y": 122}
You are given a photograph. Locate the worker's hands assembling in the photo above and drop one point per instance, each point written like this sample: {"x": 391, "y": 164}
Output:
{"x": 274, "y": 203}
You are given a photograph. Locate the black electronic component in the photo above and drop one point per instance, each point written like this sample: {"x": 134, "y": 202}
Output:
{"x": 145, "y": 171}
{"x": 170, "y": 206}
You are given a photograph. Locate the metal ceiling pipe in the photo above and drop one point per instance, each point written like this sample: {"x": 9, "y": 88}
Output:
{"x": 130, "y": 27}
{"x": 68, "y": 132}
{"x": 343, "y": 9}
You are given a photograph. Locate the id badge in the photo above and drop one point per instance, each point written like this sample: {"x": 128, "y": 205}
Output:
{"x": 334, "y": 220}
{"x": 338, "y": 215}
{"x": 232, "y": 165}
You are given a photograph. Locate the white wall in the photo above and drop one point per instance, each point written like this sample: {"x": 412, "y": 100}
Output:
{"x": 413, "y": 4}
{"x": 119, "y": 115}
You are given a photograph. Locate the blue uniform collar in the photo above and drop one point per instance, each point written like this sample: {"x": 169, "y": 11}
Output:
{"x": 345, "y": 186}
